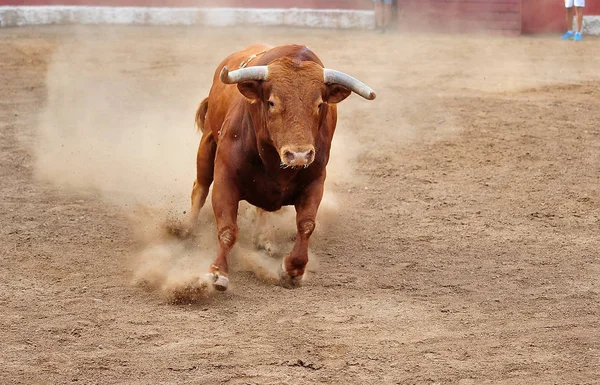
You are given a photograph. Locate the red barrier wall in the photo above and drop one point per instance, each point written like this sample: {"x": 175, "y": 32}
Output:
{"x": 510, "y": 17}
{"x": 495, "y": 16}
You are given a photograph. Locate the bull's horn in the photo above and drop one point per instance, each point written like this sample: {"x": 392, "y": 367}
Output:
{"x": 337, "y": 77}
{"x": 248, "y": 73}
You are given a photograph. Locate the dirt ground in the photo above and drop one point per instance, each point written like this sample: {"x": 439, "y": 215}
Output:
{"x": 458, "y": 245}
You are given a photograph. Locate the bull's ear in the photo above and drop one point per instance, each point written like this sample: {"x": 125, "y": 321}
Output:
{"x": 252, "y": 89}
{"x": 336, "y": 93}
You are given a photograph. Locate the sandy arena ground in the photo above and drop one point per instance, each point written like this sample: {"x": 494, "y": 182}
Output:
{"x": 458, "y": 243}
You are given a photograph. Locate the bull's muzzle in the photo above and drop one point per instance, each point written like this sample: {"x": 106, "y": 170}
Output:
{"x": 296, "y": 157}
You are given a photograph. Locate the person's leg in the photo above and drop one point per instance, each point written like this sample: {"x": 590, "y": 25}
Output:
{"x": 378, "y": 13}
{"x": 387, "y": 13}
{"x": 579, "y": 4}
{"x": 570, "y": 19}
{"x": 579, "y": 18}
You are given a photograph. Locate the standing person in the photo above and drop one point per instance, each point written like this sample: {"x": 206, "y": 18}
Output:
{"x": 383, "y": 14}
{"x": 579, "y": 5}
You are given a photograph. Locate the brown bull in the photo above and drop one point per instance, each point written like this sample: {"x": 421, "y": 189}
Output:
{"x": 267, "y": 141}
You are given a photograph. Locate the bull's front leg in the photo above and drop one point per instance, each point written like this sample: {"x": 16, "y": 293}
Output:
{"x": 225, "y": 200}
{"x": 307, "y": 206}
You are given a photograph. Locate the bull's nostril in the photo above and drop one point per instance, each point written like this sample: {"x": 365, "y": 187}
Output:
{"x": 309, "y": 155}
{"x": 290, "y": 156}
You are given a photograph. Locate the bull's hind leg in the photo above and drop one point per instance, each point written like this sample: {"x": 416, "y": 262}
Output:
{"x": 205, "y": 162}
{"x": 262, "y": 233}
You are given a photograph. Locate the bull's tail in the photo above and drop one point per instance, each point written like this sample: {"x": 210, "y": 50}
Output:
{"x": 201, "y": 114}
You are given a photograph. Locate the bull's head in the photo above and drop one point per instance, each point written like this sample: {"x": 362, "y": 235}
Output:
{"x": 294, "y": 96}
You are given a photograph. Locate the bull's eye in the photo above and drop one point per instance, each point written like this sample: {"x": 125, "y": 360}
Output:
{"x": 320, "y": 105}
{"x": 271, "y": 104}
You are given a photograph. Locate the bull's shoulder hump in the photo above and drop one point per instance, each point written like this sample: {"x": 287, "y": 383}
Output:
{"x": 237, "y": 58}
{"x": 293, "y": 51}
{"x": 256, "y": 48}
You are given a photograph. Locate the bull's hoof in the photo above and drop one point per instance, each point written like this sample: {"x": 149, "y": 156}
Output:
{"x": 193, "y": 291}
{"x": 268, "y": 247}
{"x": 287, "y": 281}
{"x": 179, "y": 230}
{"x": 219, "y": 282}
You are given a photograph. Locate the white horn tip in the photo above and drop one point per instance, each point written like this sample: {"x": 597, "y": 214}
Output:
{"x": 372, "y": 95}
{"x": 224, "y": 76}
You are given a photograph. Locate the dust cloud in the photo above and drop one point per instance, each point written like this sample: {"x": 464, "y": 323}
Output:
{"x": 120, "y": 128}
